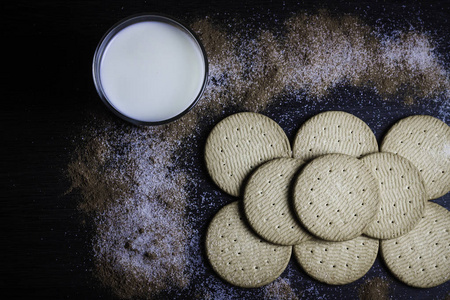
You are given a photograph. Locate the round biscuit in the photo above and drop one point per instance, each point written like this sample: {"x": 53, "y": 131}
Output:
{"x": 240, "y": 143}
{"x": 267, "y": 202}
{"x": 238, "y": 255}
{"x": 421, "y": 258}
{"x": 425, "y": 141}
{"x": 334, "y": 132}
{"x": 336, "y": 197}
{"x": 337, "y": 262}
{"x": 403, "y": 195}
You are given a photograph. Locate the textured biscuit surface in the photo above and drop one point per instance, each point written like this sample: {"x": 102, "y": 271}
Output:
{"x": 334, "y": 132}
{"x": 403, "y": 195}
{"x": 240, "y": 143}
{"x": 421, "y": 258}
{"x": 337, "y": 262}
{"x": 238, "y": 255}
{"x": 425, "y": 141}
{"x": 267, "y": 202}
{"x": 336, "y": 197}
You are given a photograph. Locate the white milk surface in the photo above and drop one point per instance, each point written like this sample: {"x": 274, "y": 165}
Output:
{"x": 151, "y": 71}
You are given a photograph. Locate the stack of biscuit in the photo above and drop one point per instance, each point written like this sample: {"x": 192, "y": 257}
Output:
{"x": 332, "y": 200}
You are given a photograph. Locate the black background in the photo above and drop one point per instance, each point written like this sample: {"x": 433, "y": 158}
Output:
{"x": 48, "y": 88}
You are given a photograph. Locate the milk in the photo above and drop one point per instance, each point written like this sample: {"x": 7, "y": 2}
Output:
{"x": 152, "y": 71}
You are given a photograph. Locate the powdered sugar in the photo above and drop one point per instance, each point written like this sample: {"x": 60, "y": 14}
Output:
{"x": 149, "y": 253}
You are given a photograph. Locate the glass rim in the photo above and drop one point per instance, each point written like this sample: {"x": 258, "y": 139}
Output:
{"x": 109, "y": 35}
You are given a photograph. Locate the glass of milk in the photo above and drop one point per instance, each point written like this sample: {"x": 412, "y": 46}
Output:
{"x": 150, "y": 69}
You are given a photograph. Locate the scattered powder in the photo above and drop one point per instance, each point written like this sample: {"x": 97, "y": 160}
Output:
{"x": 407, "y": 65}
{"x": 136, "y": 197}
{"x": 280, "y": 289}
{"x": 323, "y": 51}
{"x": 149, "y": 253}
{"x": 134, "y": 181}
{"x": 96, "y": 183}
{"x": 374, "y": 289}
{"x": 317, "y": 53}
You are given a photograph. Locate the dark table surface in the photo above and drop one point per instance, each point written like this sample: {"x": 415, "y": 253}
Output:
{"x": 48, "y": 90}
